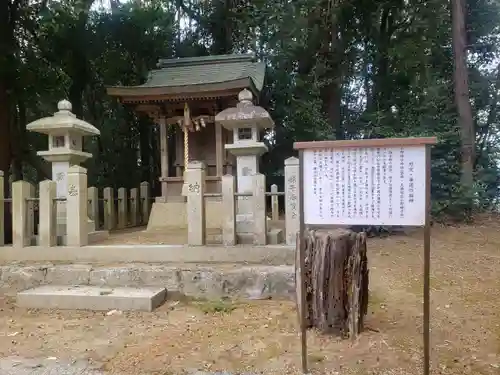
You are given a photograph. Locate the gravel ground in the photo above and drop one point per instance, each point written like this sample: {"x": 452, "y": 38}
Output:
{"x": 51, "y": 366}
{"x": 45, "y": 366}
{"x": 262, "y": 336}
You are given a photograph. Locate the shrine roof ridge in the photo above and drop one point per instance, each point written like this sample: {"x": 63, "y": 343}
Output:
{"x": 203, "y": 60}
{"x": 361, "y": 143}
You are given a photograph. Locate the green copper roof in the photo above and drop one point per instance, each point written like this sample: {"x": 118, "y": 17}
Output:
{"x": 194, "y": 76}
{"x": 191, "y": 71}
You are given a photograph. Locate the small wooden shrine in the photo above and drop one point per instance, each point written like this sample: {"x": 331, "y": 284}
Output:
{"x": 183, "y": 96}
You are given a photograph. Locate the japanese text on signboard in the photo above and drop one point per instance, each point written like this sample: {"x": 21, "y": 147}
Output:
{"x": 360, "y": 186}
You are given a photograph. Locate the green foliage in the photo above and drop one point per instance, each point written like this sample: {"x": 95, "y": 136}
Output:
{"x": 352, "y": 69}
{"x": 216, "y": 307}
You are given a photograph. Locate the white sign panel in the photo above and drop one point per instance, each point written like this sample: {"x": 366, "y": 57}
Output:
{"x": 365, "y": 186}
{"x": 59, "y": 175}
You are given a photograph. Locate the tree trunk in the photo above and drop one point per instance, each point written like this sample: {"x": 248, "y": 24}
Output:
{"x": 333, "y": 55}
{"x": 221, "y": 28}
{"x": 465, "y": 120}
{"x": 5, "y": 151}
{"x": 336, "y": 281}
{"x": 484, "y": 132}
{"x": 8, "y": 15}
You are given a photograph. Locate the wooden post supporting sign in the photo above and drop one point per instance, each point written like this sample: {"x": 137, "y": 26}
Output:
{"x": 365, "y": 182}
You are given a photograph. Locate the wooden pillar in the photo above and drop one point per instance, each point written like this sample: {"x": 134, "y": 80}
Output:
{"x": 219, "y": 150}
{"x": 178, "y": 151}
{"x": 164, "y": 155}
{"x": 227, "y": 138}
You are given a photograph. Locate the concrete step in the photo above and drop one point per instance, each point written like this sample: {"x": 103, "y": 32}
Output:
{"x": 87, "y": 297}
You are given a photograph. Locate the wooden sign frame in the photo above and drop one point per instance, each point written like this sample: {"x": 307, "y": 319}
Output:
{"x": 426, "y": 142}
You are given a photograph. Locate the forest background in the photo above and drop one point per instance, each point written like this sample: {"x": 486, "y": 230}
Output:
{"x": 337, "y": 69}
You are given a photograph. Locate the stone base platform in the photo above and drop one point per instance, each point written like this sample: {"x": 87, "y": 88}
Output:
{"x": 173, "y": 214}
{"x": 92, "y": 298}
{"x": 191, "y": 280}
{"x": 106, "y": 254}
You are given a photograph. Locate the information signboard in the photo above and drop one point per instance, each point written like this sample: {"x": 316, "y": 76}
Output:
{"x": 364, "y": 182}
{"x": 361, "y": 186}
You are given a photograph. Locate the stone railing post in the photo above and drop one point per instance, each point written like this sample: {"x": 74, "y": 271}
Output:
{"x": 47, "y": 235}
{"x": 229, "y": 211}
{"x": 76, "y": 207}
{"x": 145, "y": 199}
{"x": 292, "y": 212}
{"x": 275, "y": 209}
{"x": 195, "y": 181}
{"x": 2, "y": 210}
{"x": 94, "y": 206}
{"x": 21, "y": 191}
{"x": 134, "y": 207}
{"x": 109, "y": 208}
{"x": 122, "y": 208}
{"x": 259, "y": 209}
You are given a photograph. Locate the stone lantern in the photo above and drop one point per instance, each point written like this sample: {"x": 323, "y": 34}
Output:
{"x": 246, "y": 122}
{"x": 65, "y": 133}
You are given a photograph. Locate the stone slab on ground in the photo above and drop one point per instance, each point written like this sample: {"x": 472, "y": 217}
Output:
{"x": 201, "y": 281}
{"x": 85, "y": 297}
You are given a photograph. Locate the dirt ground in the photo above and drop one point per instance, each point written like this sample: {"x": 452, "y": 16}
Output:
{"x": 262, "y": 336}
{"x": 140, "y": 236}
{"x": 174, "y": 236}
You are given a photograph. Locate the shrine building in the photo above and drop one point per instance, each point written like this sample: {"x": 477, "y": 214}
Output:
{"x": 183, "y": 96}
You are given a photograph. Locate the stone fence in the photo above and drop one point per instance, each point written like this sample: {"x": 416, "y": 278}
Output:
{"x": 195, "y": 177}
{"x": 83, "y": 206}
{"x": 124, "y": 209}
{"x": 32, "y": 216}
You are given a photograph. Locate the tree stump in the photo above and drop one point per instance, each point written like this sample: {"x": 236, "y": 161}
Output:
{"x": 336, "y": 281}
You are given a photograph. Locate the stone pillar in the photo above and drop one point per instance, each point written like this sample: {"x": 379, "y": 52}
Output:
{"x": 163, "y": 156}
{"x": 122, "y": 208}
{"x": 195, "y": 182}
{"x": 2, "y": 210}
{"x": 275, "y": 208}
{"x": 246, "y": 167}
{"x": 20, "y": 192}
{"x": 76, "y": 207}
{"x": 94, "y": 206}
{"x": 134, "y": 207}
{"x": 259, "y": 209}
{"x": 47, "y": 235}
{"x": 145, "y": 197}
{"x": 109, "y": 208}
{"x": 229, "y": 211}
{"x": 59, "y": 175}
{"x": 292, "y": 208}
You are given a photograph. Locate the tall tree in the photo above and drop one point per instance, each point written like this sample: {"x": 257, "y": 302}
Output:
{"x": 462, "y": 99}
{"x": 9, "y": 14}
